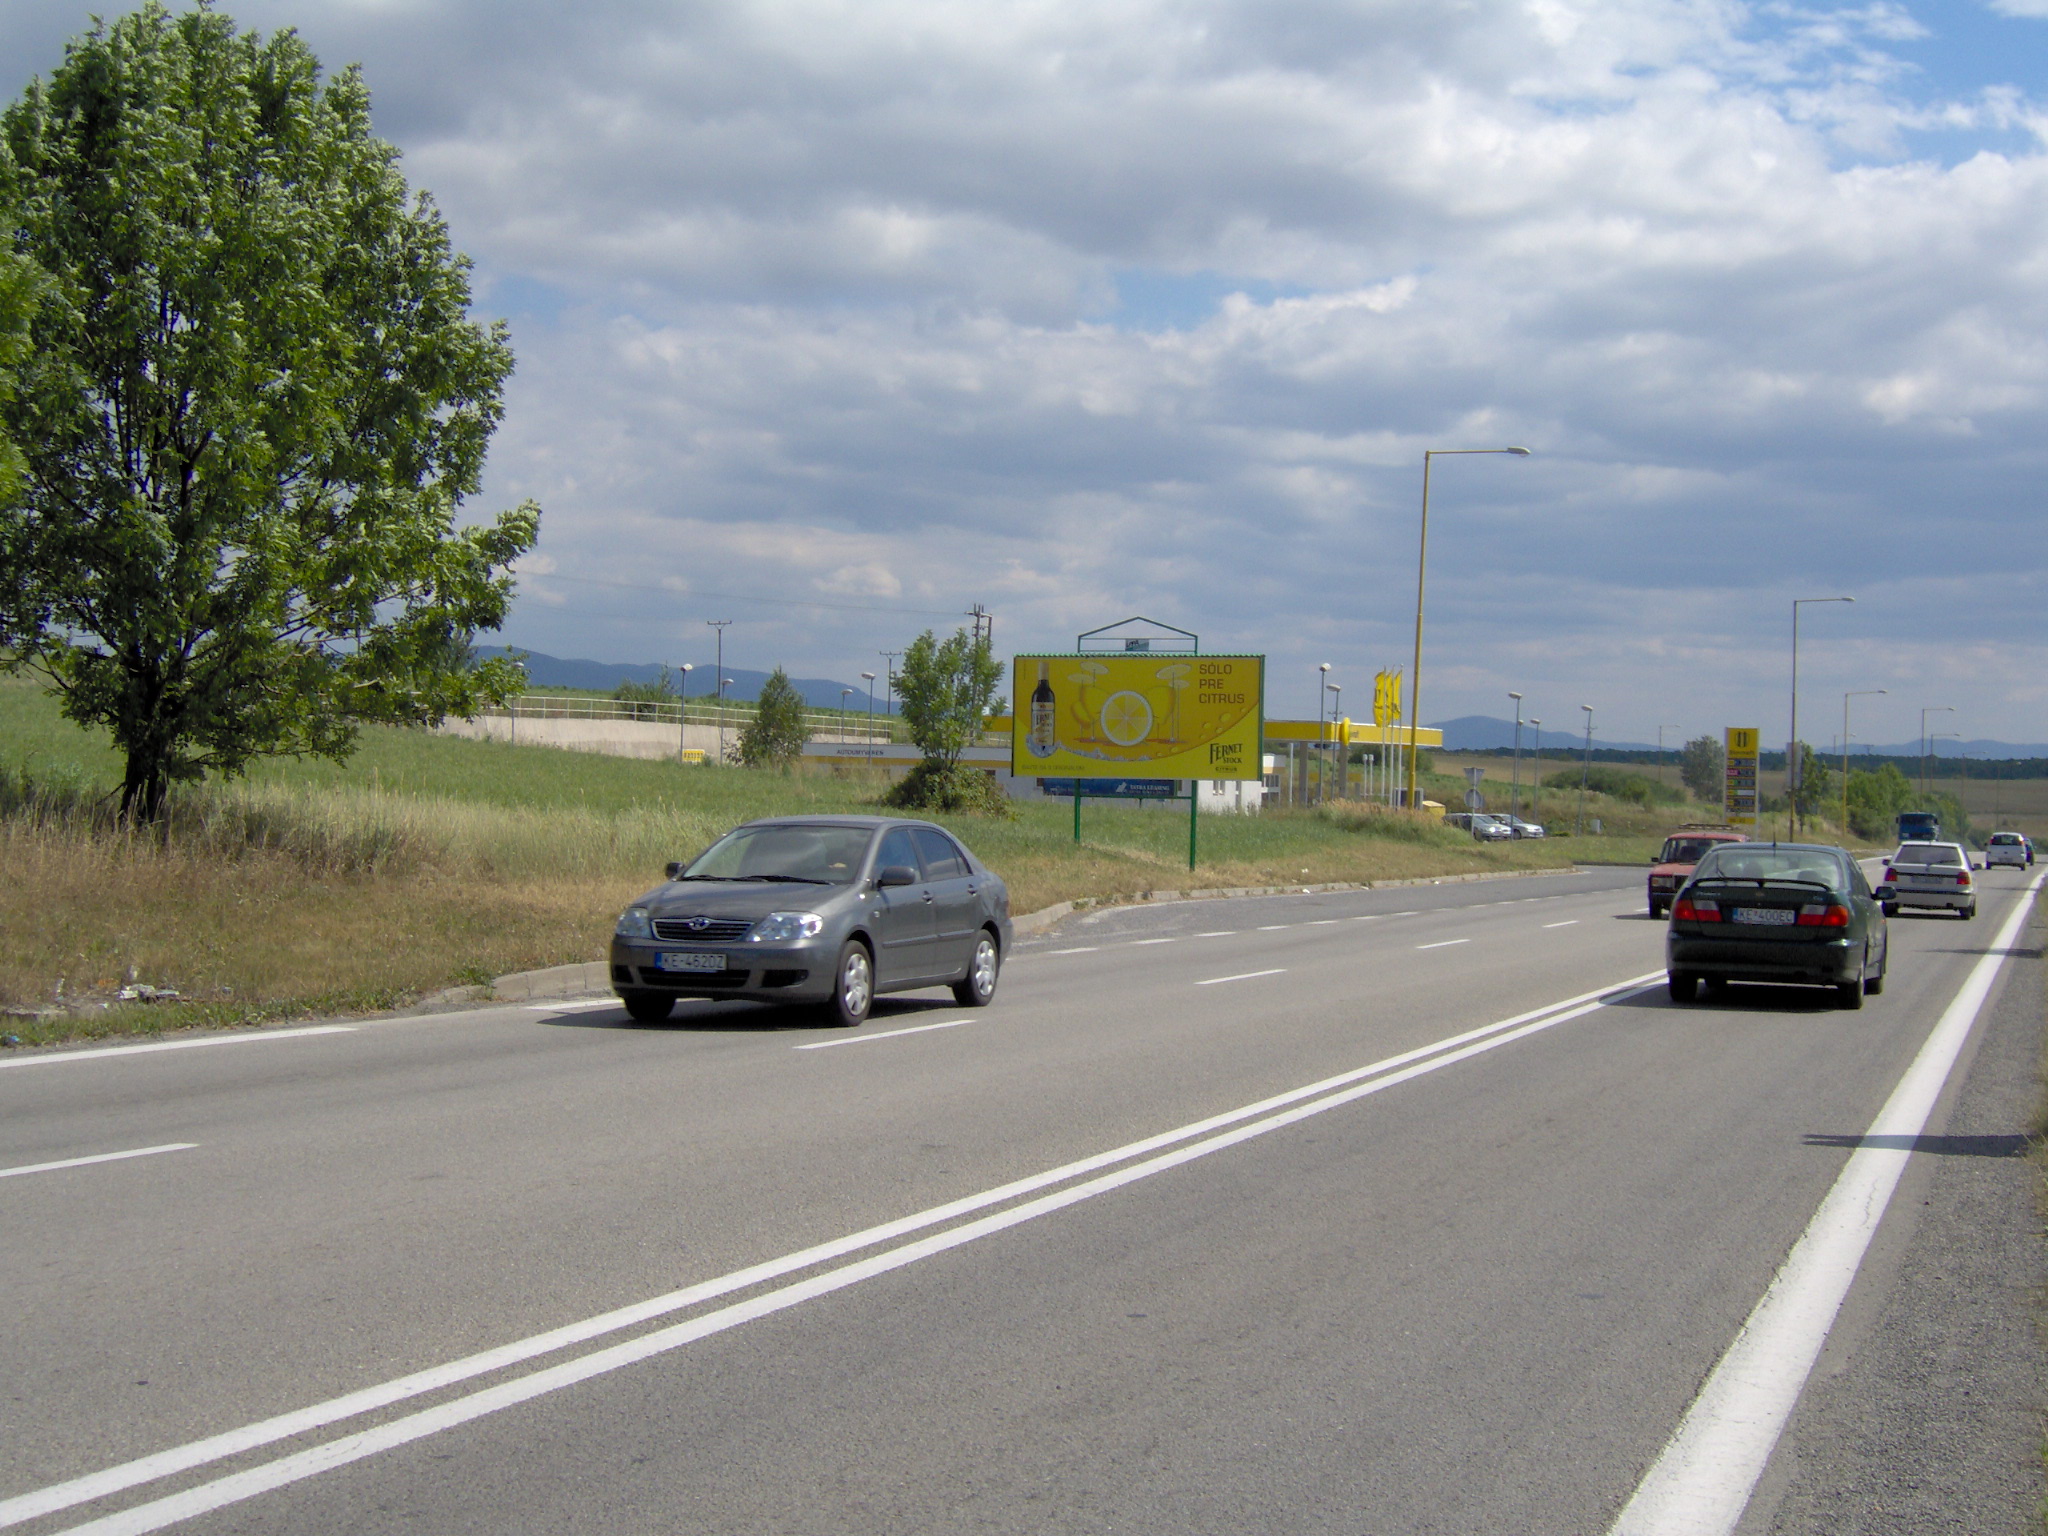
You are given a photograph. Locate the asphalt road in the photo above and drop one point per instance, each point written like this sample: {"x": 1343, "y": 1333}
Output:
{"x": 1213, "y": 1223}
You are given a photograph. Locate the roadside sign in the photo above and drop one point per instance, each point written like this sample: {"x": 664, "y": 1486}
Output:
{"x": 1113, "y": 715}
{"x": 1474, "y": 800}
{"x": 1738, "y": 803}
{"x": 1115, "y": 789}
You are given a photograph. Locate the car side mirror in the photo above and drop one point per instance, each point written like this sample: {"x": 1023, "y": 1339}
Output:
{"x": 896, "y": 874}
{"x": 673, "y": 868}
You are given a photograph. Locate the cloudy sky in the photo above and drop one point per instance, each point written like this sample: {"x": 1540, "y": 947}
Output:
{"x": 835, "y": 318}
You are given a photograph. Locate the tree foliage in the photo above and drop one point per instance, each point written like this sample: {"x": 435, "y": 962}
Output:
{"x": 1819, "y": 793}
{"x": 253, "y": 404}
{"x": 1703, "y": 766}
{"x": 775, "y": 737}
{"x": 1876, "y": 798}
{"x": 1616, "y": 783}
{"x": 946, "y": 688}
{"x": 17, "y": 295}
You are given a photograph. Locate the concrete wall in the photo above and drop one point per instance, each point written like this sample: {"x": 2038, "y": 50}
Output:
{"x": 619, "y": 738}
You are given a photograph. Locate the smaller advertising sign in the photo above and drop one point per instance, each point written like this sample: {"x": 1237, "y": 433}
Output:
{"x": 1739, "y": 802}
{"x": 1115, "y": 789}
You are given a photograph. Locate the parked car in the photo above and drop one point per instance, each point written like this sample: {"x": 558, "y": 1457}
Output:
{"x": 2008, "y": 848}
{"x": 1674, "y": 863}
{"x": 1933, "y": 876}
{"x": 822, "y": 910}
{"x": 1522, "y": 828}
{"x": 1484, "y": 828}
{"x": 1777, "y": 912}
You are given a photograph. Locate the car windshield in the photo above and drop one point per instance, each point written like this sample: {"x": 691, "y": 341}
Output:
{"x": 1928, "y": 853}
{"x": 1684, "y": 850}
{"x": 1746, "y": 863}
{"x": 810, "y": 855}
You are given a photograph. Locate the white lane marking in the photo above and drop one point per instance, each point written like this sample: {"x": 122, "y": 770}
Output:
{"x": 886, "y": 1034}
{"x": 98, "y": 1157}
{"x": 1443, "y": 943}
{"x": 254, "y": 1037}
{"x": 1702, "y": 1482}
{"x": 1140, "y": 943}
{"x": 1319, "y": 922}
{"x": 1220, "y": 933}
{"x": 1079, "y": 949}
{"x": 1217, "y": 981}
{"x": 574, "y": 1003}
{"x": 1404, "y": 914}
{"x": 1313, "y": 1099}
{"x": 1570, "y": 922}
{"x": 1273, "y": 927}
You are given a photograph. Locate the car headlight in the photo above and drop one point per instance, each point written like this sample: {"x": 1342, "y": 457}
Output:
{"x": 781, "y": 927}
{"x": 634, "y": 924}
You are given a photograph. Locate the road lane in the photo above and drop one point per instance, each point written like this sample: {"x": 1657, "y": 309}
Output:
{"x": 751, "y": 1149}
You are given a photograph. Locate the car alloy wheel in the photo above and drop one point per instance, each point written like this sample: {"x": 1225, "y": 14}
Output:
{"x": 853, "y": 985}
{"x": 979, "y": 984}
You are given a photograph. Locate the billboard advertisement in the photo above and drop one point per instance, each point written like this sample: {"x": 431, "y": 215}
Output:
{"x": 1119, "y": 716}
{"x": 1739, "y": 805}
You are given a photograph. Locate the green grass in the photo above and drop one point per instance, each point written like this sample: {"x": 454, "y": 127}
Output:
{"x": 425, "y": 862}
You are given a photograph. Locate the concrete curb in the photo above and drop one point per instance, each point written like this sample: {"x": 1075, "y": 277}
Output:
{"x": 1033, "y": 923}
{"x": 584, "y": 980}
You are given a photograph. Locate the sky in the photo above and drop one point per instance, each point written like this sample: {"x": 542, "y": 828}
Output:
{"x": 835, "y": 319}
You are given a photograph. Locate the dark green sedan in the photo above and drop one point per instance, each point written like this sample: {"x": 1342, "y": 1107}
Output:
{"x": 1783, "y": 913}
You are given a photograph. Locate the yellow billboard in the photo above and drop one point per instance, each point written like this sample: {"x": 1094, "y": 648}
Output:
{"x": 1108, "y": 716}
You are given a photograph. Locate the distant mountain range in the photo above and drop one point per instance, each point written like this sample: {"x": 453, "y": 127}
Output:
{"x": 1483, "y": 733}
{"x": 545, "y": 671}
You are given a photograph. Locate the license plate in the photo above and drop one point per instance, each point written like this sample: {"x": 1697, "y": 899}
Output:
{"x": 1768, "y": 917}
{"x": 692, "y": 962}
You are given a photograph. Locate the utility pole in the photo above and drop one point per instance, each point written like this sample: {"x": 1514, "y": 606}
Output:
{"x": 1585, "y": 767}
{"x": 719, "y": 625}
{"x": 889, "y": 690}
{"x": 984, "y": 626}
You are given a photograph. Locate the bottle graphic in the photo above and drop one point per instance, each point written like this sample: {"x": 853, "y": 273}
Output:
{"x": 1039, "y": 739}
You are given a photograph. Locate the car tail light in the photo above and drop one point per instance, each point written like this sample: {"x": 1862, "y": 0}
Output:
{"x": 1830, "y": 914}
{"x": 1963, "y": 877}
{"x": 1695, "y": 909}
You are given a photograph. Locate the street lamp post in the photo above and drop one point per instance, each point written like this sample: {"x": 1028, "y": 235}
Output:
{"x": 889, "y": 689}
{"x": 1322, "y": 700}
{"x": 1932, "y": 709}
{"x": 843, "y": 693}
{"x": 1515, "y": 779}
{"x": 1860, "y": 693}
{"x": 871, "y": 704}
{"x": 1421, "y": 571}
{"x": 723, "y": 683}
{"x": 1585, "y": 769}
{"x": 1793, "y": 756}
{"x": 1337, "y": 748}
{"x": 683, "y": 670}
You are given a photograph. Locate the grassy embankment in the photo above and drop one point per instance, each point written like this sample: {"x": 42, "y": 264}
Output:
{"x": 427, "y": 862}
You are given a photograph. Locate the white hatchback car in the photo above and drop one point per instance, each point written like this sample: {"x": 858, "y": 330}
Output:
{"x": 2007, "y": 848}
{"x": 1932, "y": 875}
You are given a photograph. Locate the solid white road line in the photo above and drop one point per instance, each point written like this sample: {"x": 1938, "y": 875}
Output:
{"x": 1314, "y": 1099}
{"x": 886, "y": 1034}
{"x": 1443, "y": 943}
{"x": 1217, "y": 981}
{"x": 254, "y": 1037}
{"x": 1702, "y": 1482}
{"x": 98, "y": 1157}
{"x": 199, "y": 1453}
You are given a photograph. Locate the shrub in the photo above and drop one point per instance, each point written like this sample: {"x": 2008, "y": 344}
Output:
{"x": 934, "y": 786}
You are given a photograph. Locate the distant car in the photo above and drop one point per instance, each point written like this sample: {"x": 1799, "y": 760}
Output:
{"x": 1932, "y": 876}
{"x": 2007, "y": 848}
{"x": 1777, "y": 912}
{"x": 1522, "y": 828}
{"x": 821, "y": 910}
{"x": 1674, "y": 863}
{"x": 1484, "y": 828}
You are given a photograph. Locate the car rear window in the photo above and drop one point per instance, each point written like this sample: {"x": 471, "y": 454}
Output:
{"x": 1746, "y": 863}
{"x": 2005, "y": 839}
{"x": 1929, "y": 854}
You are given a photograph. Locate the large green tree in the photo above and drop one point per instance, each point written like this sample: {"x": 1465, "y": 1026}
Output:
{"x": 253, "y": 404}
{"x": 947, "y": 687}
{"x": 1703, "y": 765}
{"x": 775, "y": 737}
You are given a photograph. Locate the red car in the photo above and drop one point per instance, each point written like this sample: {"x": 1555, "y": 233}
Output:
{"x": 1674, "y": 864}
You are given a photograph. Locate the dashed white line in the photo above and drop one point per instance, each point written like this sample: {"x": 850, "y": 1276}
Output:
{"x": 98, "y": 1157}
{"x": 1141, "y": 943}
{"x": 1443, "y": 943}
{"x": 1319, "y": 922}
{"x": 1217, "y": 981}
{"x": 1079, "y": 949}
{"x": 1220, "y": 933}
{"x": 883, "y": 1034}
{"x": 1273, "y": 927}
{"x": 1567, "y": 923}
{"x": 254, "y": 1037}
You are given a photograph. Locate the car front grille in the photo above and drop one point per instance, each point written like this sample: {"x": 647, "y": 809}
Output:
{"x": 702, "y": 930}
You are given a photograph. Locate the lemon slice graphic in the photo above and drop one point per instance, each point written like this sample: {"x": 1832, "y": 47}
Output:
{"x": 1126, "y": 718}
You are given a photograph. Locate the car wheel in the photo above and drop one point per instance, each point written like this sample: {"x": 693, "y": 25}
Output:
{"x": 978, "y": 986}
{"x": 853, "y": 986}
{"x": 647, "y": 1007}
{"x": 1970, "y": 911}
{"x": 1656, "y": 909}
{"x": 1874, "y": 985}
{"x": 1717, "y": 986}
{"x": 1890, "y": 908}
{"x": 1684, "y": 986}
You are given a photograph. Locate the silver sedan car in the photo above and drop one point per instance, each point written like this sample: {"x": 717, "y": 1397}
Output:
{"x": 827, "y": 911}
